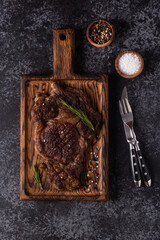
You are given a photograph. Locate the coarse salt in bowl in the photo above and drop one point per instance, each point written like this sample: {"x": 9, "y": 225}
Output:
{"x": 129, "y": 64}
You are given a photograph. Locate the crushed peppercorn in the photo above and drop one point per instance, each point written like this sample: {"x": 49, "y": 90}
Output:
{"x": 100, "y": 32}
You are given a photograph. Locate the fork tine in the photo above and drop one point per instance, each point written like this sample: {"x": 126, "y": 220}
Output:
{"x": 120, "y": 108}
{"x": 124, "y": 106}
{"x": 128, "y": 105}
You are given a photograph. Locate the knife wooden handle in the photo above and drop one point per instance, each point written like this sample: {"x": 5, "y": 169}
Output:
{"x": 143, "y": 167}
{"x": 135, "y": 166}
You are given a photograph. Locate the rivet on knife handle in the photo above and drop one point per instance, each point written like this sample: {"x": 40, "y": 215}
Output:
{"x": 143, "y": 167}
{"x": 135, "y": 167}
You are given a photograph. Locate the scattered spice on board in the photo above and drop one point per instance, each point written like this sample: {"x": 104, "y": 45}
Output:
{"x": 100, "y": 32}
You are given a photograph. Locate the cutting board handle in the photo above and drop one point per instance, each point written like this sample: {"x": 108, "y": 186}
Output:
{"x": 63, "y": 53}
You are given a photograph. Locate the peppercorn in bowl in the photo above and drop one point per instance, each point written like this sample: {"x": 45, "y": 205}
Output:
{"x": 100, "y": 33}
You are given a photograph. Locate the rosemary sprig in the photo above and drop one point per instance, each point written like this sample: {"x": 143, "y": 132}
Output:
{"x": 78, "y": 113}
{"x": 37, "y": 177}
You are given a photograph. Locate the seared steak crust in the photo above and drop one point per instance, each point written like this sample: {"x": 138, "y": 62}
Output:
{"x": 66, "y": 176}
{"x": 59, "y": 141}
{"x": 45, "y": 108}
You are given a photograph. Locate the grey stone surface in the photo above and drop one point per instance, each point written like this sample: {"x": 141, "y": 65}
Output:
{"x": 26, "y": 48}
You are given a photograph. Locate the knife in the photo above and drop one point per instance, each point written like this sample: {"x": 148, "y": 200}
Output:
{"x": 142, "y": 165}
{"x": 133, "y": 156}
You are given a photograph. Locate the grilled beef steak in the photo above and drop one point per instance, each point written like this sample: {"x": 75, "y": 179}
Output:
{"x": 59, "y": 141}
{"x": 60, "y": 136}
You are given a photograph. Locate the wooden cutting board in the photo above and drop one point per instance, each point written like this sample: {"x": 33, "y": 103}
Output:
{"x": 95, "y": 176}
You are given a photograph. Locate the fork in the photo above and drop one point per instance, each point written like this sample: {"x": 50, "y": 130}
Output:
{"x": 126, "y": 113}
{"x": 127, "y": 117}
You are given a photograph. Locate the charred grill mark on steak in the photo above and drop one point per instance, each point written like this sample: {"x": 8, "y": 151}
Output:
{"x": 45, "y": 108}
{"x": 61, "y": 138}
{"x": 59, "y": 141}
{"x": 65, "y": 176}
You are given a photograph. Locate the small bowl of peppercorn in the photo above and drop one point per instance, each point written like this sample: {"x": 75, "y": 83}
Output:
{"x": 100, "y": 33}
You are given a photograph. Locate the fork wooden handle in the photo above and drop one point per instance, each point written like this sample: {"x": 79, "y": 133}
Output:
{"x": 135, "y": 166}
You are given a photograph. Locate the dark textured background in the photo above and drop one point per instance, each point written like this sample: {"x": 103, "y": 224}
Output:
{"x": 25, "y": 48}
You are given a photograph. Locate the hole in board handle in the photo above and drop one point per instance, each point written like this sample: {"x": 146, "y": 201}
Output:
{"x": 62, "y": 37}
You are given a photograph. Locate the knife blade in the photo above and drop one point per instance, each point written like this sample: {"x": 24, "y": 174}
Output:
{"x": 131, "y": 134}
